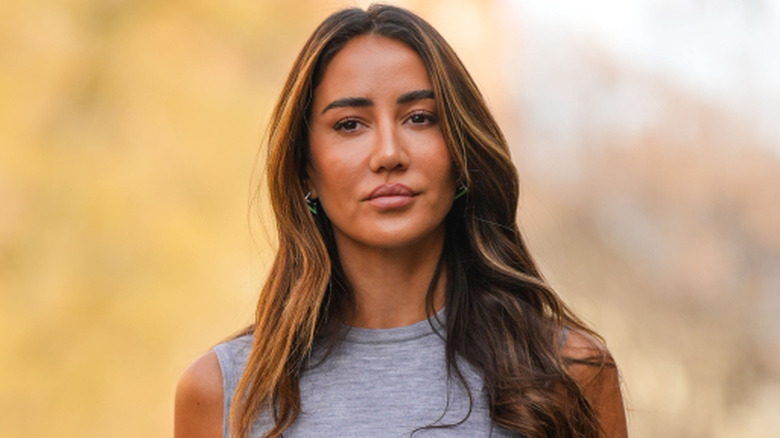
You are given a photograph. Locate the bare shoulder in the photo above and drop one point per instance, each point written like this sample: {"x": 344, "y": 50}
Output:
{"x": 199, "y": 403}
{"x": 592, "y": 366}
{"x": 582, "y": 348}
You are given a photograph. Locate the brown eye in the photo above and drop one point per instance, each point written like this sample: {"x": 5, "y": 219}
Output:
{"x": 347, "y": 125}
{"x": 422, "y": 118}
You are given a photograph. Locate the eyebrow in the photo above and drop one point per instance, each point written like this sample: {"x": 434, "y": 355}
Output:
{"x": 410, "y": 96}
{"x": 415, "y": 95}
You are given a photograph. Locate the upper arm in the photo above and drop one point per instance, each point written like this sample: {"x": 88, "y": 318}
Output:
{"x": 594, "y": 370}
{"x": 199, "y": 402}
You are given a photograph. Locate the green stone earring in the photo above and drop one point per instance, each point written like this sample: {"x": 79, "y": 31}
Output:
{"x": 311, "y": 203}
{"x": 462, "y": 190}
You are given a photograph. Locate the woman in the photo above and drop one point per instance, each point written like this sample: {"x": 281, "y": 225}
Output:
{"x": 402, "y": 300}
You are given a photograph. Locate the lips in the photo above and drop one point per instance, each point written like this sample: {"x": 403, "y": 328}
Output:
{"x": 391, "y": 196}
{"x": 390, "y": 190}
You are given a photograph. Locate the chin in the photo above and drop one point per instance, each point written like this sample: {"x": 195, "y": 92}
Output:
{"x": 400, "y": 239}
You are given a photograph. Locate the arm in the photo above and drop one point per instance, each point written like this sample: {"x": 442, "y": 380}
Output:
{"x": 199, "y": 408}
{"x": 599, "y": 383}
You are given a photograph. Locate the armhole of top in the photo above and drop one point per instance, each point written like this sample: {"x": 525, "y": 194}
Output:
{"x": 232, "y": 356}
{"x": 227, "y": 365}
{"x": 564, "y": 336}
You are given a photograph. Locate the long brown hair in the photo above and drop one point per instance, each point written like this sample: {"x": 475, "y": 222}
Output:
{"x": 501, "y": 316}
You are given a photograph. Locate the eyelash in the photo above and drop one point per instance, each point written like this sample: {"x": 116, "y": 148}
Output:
{"x": 429, "y": 118}
{"x": 339, "y": 126}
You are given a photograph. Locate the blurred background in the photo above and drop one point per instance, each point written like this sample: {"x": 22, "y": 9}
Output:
{"x": 646, "y": 134}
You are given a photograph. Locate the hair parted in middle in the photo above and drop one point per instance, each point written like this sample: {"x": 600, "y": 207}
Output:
{"x": 501, "y": 316}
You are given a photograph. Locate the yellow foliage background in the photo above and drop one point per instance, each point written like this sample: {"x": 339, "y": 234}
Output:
{"x": 128, "y": 137}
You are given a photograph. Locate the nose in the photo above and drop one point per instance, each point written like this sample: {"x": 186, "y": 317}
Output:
{"x": 389, "y": 151}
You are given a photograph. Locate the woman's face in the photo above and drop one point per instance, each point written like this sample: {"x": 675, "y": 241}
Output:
{"x": 378, "y": 162}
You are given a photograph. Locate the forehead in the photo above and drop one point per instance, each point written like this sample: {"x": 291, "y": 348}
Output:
{"x": 372, "y": 65}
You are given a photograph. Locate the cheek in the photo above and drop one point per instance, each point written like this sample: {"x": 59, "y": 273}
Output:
{"x": 337, "y": 164}
{"x": 440, "y": 168}
{"x": 332, "y": 177}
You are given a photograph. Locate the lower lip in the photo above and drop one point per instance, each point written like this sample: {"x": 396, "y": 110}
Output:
{"x": 391, "y": 202}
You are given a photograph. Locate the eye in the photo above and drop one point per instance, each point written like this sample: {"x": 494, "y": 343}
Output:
{"x": 422, "y": 118}
{"x": 347, "y": 125}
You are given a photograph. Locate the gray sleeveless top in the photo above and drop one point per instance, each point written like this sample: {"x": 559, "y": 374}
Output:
{"x": 376, "y": 383}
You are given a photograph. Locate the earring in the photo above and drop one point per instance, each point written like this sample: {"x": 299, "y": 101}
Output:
{"x": 462, "y": 190}
{"x": 311, "y": 203}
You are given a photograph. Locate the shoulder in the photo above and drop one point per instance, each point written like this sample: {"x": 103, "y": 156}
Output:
{"x": 199, "y": 402}
{"x": 592, "y": 366}
{"x": 582, "y": 347}
{"x": 587, "y": 358}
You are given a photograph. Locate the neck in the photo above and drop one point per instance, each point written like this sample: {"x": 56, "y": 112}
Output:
{"x": 390, "y": 285}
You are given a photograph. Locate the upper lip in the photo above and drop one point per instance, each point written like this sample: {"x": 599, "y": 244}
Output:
{"x": 390, "y": 190}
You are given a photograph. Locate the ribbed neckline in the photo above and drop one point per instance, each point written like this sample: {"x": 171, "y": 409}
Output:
{"x": 395, "y": 334}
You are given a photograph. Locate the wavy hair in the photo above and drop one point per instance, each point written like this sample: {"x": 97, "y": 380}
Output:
{"x": 501, "y": 316}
